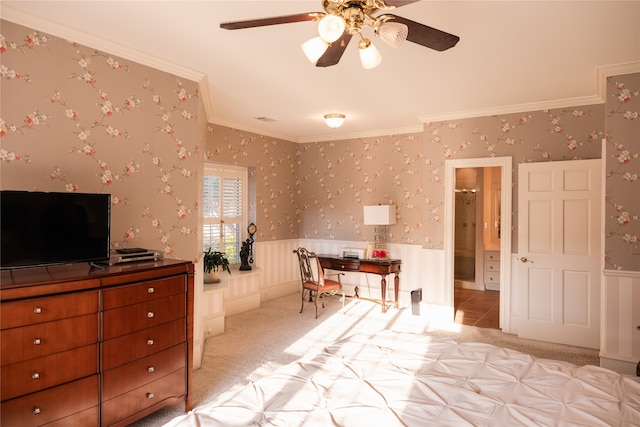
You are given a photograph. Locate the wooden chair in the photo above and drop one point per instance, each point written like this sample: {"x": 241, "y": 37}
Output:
{"x": 313, "y": 280}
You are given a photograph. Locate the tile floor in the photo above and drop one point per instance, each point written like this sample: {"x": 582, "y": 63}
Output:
{"x": 477, "y": 308}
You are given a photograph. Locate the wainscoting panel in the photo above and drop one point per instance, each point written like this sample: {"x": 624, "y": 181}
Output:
{"x": 620, "y": 343}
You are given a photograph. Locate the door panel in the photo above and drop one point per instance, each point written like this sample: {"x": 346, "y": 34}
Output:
{"x": 560, "y": 246}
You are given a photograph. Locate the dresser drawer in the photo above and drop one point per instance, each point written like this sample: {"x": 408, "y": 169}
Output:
{"x": 127, "y": 377}
{"x": 48, "y": 371}
{"x": 125, "y": 349}
{"x": 87, "y": 418}
{"x": 146, "y": 396}
{"x": 492, "y": 267}
{"x": 30, "y": 342}
{"x": 491, "y": 278}
{"x": 39, "y": 310}
{"x": 125, "y": 320}
{"x": 140, "y": 292}
{"x": 492, "y": 256}
{"x": 50, "y": 405}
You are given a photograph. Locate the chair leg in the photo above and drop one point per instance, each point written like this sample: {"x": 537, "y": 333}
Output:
{"x": 303, "y": 295}
{"x": 343, "y": 298}
{"x": 317, "y": 297}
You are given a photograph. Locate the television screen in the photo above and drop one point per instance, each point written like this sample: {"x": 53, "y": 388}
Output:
{"x": 42, "y": 228}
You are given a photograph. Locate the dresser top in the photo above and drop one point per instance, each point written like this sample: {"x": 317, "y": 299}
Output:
{"x": 46, "y": 280}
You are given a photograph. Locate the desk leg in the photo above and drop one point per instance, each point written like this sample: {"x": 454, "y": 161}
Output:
{"x": 396, "y": 285}
{"x": 383, "y": 286}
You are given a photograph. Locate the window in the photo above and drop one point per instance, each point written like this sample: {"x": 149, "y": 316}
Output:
{"x": 225, "y": 209}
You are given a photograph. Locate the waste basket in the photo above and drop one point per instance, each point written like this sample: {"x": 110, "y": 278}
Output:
{"x": 416, "y": 297}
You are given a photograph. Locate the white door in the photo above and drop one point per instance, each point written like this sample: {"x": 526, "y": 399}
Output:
{"x": 559, "y": 248}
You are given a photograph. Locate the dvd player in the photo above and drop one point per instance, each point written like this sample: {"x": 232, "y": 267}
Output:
{"x": 147, "y": 255}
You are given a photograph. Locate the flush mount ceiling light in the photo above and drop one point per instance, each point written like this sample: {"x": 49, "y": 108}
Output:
{"x": 334, "y": 120}
{"x": 342, "y": 19}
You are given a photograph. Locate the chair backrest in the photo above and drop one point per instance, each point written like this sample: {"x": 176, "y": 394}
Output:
{"x": 310, "y": 270}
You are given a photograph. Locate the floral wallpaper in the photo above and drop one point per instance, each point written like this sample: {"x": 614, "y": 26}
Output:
{"x": 340, "y": 177}
{"x": 80, "y": 120}
{"x": 76, "y": 119}
{"x": 275, "y": 163}
{"x": 622, "y": 211}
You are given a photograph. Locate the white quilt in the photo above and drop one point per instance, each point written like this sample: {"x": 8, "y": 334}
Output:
{"x": 399, "y": 379}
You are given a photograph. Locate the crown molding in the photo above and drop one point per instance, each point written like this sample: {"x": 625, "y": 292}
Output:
{"x": 366, "y": 134}
{"x": 510, "y": 109}
{"x": 64, "y": 31}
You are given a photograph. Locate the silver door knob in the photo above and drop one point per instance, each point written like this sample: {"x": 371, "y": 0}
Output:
{"x": 525, "y": 259}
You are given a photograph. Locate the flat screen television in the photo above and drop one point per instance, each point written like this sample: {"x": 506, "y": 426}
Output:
{"x": 44, "y": 228}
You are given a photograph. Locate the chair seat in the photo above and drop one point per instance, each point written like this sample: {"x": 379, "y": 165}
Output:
{"x": 329, "y": 285}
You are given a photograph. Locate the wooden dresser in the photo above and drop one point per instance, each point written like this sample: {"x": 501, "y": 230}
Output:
{"x": 90, "y": 346}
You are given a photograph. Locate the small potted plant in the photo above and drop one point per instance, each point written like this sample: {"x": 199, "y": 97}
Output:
{"x": 213, "y": 261}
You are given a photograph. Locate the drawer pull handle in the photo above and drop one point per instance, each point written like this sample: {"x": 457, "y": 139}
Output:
{"x": 150, "y": 314}
{"x": 37, "y": 310}
{"x": 36, "y": 411}
{"x": 149, "y": 342}
{"x": 150, "y": 396}
{"x": 151, "y": 290}
{"x": 151, "y": 369}
{"x": 36, "y": 341}
{"x": 35, "y": 375}
{"x": 638, "y": 327}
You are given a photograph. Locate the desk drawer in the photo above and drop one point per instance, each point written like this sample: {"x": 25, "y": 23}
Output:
{"x": 344, "y": 265}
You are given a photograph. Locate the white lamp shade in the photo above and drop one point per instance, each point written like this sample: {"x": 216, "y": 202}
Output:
{"x": 314, "y": 48}
{"x": 331, "y": 28}
{"x": 370, "y": 57}
{"x": 380, "y": 215}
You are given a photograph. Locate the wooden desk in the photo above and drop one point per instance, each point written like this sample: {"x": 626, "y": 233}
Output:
{"x": 383, "y": 267}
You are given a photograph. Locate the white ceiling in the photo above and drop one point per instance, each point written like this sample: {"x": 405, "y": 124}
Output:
{"x": 512, "y": 56}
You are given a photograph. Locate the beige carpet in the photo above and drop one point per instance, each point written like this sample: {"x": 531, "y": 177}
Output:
{"x": 256, "y": 343}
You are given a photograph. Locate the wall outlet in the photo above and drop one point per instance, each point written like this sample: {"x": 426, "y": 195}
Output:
{"x": 635, "y": 250}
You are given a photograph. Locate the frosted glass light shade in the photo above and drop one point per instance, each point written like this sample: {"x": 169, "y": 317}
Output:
{"x": 334, "y": 120}
{"x": 393, "y": 33}
{"x": 331, "y": 28}
{"x": 314, "y": 48}
{"x": 369, "y": 55}
{"x": 380, "y": 215}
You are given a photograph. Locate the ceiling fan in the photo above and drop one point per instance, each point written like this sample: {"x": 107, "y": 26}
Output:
{"x": 343, "y": 19}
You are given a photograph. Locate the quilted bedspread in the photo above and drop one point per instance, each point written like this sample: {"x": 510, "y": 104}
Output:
{"x": 401, "y": 379}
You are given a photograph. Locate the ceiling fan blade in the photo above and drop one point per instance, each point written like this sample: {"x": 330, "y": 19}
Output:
{"x": 399, "y": 3}
{"x": 334, "y": 52}
{"x": 426, "y": 36}
{"x": 286, "y": 19}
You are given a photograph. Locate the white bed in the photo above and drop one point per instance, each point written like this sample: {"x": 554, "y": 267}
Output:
{"x": 399, "y": 379}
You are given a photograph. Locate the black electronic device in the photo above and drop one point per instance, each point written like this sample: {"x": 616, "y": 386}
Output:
{"x": 130, "y": 250}
{"x": 44, "y": 228}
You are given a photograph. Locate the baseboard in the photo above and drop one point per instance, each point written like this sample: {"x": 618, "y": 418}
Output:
{"x": 625, "y": 367}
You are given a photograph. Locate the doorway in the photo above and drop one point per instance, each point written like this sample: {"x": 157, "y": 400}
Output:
{"x": 476, "y": 262}
{"x": 501, "y": 254}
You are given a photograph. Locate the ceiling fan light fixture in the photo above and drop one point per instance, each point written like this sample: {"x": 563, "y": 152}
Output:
{"x": 393, "y": 33}
{"x": 334, "y": 120}
{"x": 314, "y": 48}
{"x": 369, "y": 54}
{"x": 331, "y": 28}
